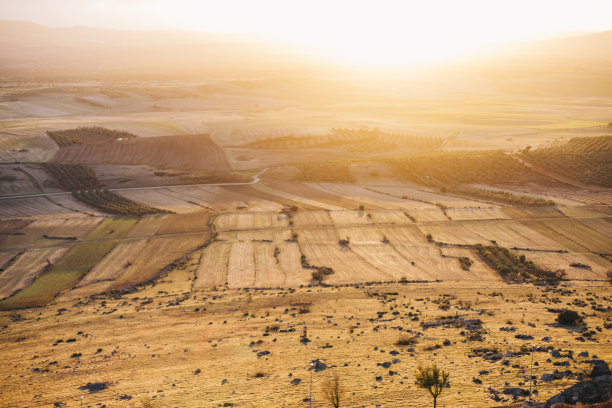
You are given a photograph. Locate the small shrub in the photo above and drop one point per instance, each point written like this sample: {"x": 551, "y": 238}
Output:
{"x": 406, "y": 341}
{"x": 568, "y": 318}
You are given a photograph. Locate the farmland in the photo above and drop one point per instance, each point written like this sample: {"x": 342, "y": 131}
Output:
{"x": 199, "y": 244}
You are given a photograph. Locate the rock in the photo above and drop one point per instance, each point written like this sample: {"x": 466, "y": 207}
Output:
{"x": 556, "y": 353}
{"x": 263, "y": 353}
{"x": 599, "y": 368}
{"x": 547, "y": 377}
{"x": 516, "y": 392}
{"x": 95, "y": 387}
{"x": 597, "y": 390}
{"x": 584, "y": 354}
{"x": 224, "y": 381}
{"x": 447, "y": 342}
{"x": 196, "y": 372}
{"x": 296, "y": 381}
{"x": 379, "y": 379}
{"x": 318, "y": 366}
{"x": 386, "y": 364}
{"x": 124, "y": 397}
{"x": 394, "y": 352}
{"x": 524, "y": 337}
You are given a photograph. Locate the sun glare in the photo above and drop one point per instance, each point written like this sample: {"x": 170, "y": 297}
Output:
{"x": 389, "y": 32}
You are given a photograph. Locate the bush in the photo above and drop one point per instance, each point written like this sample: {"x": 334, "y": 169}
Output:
{"x": 568, "y": 318}
{"x": 406, "y": 341}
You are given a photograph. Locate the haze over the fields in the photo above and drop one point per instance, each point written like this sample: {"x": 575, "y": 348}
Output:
{"x": 200, "y": 199}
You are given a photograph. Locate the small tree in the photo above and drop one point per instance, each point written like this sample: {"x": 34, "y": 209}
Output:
{"x": 432, "y": 379}
{"x": 333, "y": 391}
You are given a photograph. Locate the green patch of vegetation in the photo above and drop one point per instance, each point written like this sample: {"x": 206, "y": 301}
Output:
{"x": 64, "y": 274}
{"x": 517, "y": 268}
{"x": 112, "y": 228}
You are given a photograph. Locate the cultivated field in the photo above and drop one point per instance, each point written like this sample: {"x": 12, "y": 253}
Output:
{"x": 199, "y": 244}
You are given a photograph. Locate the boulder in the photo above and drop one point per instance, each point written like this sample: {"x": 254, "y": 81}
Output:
{"x": 95, "y": 387}
{"x": 599, "y": 389}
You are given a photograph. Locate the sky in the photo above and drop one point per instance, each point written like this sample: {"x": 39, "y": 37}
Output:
{"x": 357, "y": 31}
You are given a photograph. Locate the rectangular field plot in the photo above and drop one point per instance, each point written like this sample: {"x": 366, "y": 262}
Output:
{"x": 253, "y": 264}
{"x": 453, "y": 233}
{"x": 385, "y": 258}
{"x": 429, "y": 197}
{"x": 347, "y": 265}
{"x": 389, "y": 217}
{"x": 312, "y": 219}
{"x": 26, "y": 268}
{"x": 241, "y": 265}
{"x": 162, "y": 199}
{"x": 349, "y": 217}
{"x": 360, "y": 235}
{"x": 593, "y": 267}
{"x": 300, "y": 200}
{"x": 494, "y": 213}
{"x": 511, "y": 234}
{"x": 289, "y": 259}
{"x": 184, "y": 224}
{"x": 479, "y": 270}
{"x": 580, "y": 233}
{"x": 156, "y": 255}
{"x": 601, "y": 225}
{"x": 318, "y": 235}
{"x": 63, "y": 275}
{"x": 571, "y": 234}
{"x": 244, "y": 221}
{"x": 427, "y": 214}
{"x": 147, "y": 226}
{"x": 275, "y": 235}
{"x": 268, "y": 271}
{"x": 38, "y": 206}
{"x": 426, "y": 263}
{"x": 56, "y": 230}
{"x": 112, "y": 228}
{"x": 115, "y": 263}
{"x": 212, "y": 270}
{"x": 370, "y": 199}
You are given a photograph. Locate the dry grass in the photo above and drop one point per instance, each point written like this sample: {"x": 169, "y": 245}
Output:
{"x": 155, "y": 341}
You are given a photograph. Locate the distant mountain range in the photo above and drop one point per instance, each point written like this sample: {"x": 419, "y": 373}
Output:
{"x": 30, "y": 51}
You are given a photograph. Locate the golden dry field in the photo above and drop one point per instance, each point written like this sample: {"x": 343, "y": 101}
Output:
{"x": 200, "y": 242}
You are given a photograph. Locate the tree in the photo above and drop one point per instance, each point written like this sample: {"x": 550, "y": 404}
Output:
{"x": 333, "y": 391}
{"x": 432, "y": 379}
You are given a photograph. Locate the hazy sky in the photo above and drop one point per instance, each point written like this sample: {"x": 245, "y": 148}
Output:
{"x": 391, "y": 31}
